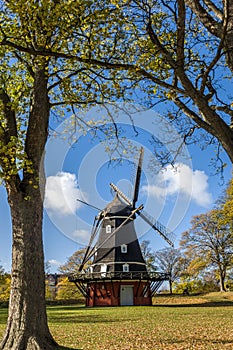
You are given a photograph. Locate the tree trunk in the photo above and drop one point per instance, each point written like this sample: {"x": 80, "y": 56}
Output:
{"x": 170, "y": 286}
{"x": 27, "y": 327}
{"x": 27, "y": 321}
{"x": 228, "y": 42}
{"x": 222, "y": 280}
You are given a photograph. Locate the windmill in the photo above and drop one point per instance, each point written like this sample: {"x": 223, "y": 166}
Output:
{"x": 118, "y": 274}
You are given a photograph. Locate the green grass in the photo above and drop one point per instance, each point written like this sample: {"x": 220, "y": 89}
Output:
{"x": 192, "y": 322}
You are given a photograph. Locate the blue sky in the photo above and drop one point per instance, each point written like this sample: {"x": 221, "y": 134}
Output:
{"x": 81, "y": 170}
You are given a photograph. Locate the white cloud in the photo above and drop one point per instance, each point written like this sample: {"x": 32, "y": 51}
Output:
{"x": 61, "y": 194}
{"x": 54, "y": 262}
{"x": 82, "y": 235}
{"x": 182, "y": 179}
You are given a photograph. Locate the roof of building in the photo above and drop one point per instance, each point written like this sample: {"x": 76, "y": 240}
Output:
{"x": 118, "y": 207}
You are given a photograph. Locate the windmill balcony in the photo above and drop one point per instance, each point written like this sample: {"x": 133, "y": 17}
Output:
{"x": 118, "y": 275}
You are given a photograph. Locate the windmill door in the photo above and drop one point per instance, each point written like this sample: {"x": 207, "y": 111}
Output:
{"x": 126, "y": 296}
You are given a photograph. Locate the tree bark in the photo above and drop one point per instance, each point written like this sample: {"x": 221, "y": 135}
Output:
{"x": 222, "y": 275}
{"x": 170, "y": 286}
{"x": 27, "y": 321}
{"x": 222, "y": 287}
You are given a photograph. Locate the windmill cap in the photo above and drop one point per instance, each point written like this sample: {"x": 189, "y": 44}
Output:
{"x": 118, "y": 207}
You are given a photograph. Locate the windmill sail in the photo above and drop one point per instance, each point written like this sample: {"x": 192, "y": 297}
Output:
{"x": 87, "y": 252}
{"x": 122, "y": 195}
{"x": 138, "y": 177}
{"x": 156, "y": 225}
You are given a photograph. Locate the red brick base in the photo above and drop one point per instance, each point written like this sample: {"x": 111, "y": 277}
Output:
{"x": 110, "y": 293}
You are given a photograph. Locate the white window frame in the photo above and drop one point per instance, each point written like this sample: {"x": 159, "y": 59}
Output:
{"x": 108, "y": 228}
{"x": 103, "y": 270}
{"x": 125, "y": 268}
{"x": 124, "y": 248}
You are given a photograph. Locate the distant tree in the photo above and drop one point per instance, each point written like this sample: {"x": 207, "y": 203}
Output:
{"x": 204, "y": 284}
{"x": 227, "y": 206}
{"x": 148, "y": 255}
{"x": 67, "y": 290}
{"x": 48, "y": 291}
{"x": 5, "y": 284}
{"x": 47, "y": 267}
{"x": 169, "y": 261}
{"x": 73, "y": 262}
{"x": 209, "y": 245}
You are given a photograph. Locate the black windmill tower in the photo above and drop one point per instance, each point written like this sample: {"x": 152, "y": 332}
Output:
{"x": 118, "y": 274}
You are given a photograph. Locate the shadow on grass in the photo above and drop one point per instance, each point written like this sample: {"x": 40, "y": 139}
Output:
{"x": 83, "y": 319}
{"x": 65, "y": 348}
{"x": 204, "y": 304}
{"x": 66, "y": 307}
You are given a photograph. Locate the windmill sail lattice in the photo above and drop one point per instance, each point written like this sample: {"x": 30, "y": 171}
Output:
{"x": 167, "y": 235}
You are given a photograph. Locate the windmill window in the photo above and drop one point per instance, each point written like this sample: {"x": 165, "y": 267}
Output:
{"x": 103, "y": 270}
{"x": 126, "y": 268}
{"x": 108, "y": 229}
{"x": 124, "y": 248}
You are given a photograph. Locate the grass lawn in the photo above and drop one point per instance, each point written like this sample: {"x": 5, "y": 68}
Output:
{"x": 204, "y": 322}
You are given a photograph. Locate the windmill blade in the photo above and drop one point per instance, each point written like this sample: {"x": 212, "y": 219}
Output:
{"x": 89, "y": 205}
{"x": 121, "y": 194}
{"x": 157, "y": 226}
{"x": 92, "y": 237}
{"x": 138, "y": 177}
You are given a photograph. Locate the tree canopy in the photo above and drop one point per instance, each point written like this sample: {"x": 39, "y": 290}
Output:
{"x": 152, "y": 51}
{"x": 169, "y": 261}
{"x": 73, "y": 263}
{"x": 227, "y": 207}
{"x": 148, "y": 255}
{"x": 209, "y": 244}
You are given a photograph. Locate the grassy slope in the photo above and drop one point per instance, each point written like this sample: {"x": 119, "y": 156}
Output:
{"x": 176, "y": 322}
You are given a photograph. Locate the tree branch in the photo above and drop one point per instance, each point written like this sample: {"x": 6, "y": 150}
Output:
{"x": 160, "y": 48}
{"x": 6, "y": 134}
{"x": 207, "y": 20}
{"x": 73, "y": 102}
{"x": 66, "y": 77}
{"x": 212, "y": 7}
{"x": 180, "y": 33}
{"x": 9, "y": 114}
{"x": 192, "y": 115}
{"x": 122, "y": 66}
